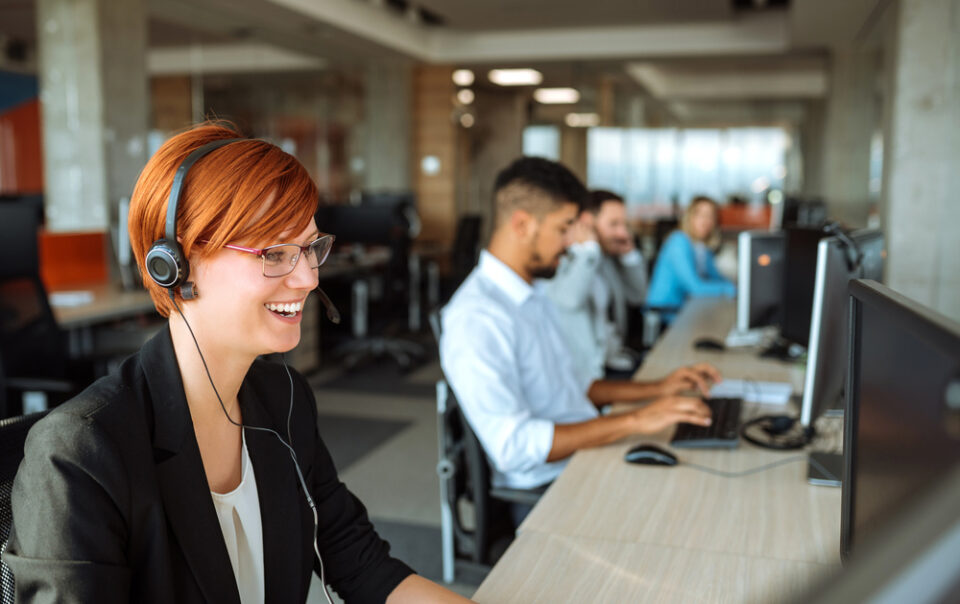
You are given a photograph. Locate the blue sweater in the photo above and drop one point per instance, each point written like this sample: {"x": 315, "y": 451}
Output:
{"x": 675, "y": 276}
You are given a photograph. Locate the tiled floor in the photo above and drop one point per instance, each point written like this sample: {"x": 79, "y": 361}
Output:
{"x": 396, "y": 479}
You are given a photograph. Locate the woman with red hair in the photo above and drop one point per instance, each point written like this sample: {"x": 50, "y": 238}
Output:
{"x": 195, "y": 473}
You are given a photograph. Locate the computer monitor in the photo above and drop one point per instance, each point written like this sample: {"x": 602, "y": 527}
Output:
{"x": 859, "y": 255}
{"x": 760, "y": 256}
{"x": 902, "y": 414}
{"x": 800, "y": 272}
{"x": 915, "y": 558}
{"x": 373, "y": 224}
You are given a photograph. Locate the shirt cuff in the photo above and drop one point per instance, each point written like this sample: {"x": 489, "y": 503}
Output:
{"x": 585, "y": 248}
{"x": 632, "y": 258}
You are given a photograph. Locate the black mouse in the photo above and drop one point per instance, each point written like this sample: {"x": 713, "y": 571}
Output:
{"x": 651, "y": 455}
{"x": 709, "y": 344}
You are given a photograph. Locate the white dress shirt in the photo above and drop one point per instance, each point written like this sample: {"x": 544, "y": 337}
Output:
{"x": 511, "y": 370}
{"x": 239, "y": 514}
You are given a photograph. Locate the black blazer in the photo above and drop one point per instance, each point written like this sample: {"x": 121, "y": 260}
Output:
{"x": 111, "y": 503}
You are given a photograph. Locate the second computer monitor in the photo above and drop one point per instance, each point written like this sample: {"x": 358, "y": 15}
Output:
{"x": 760, "y": 279}
{"x": 839, "y": 259}
{"x": 800, "y": 271}
{"x": 902, "y": 414}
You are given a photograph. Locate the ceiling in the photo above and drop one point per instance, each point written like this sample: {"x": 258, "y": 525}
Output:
{"x": 680, "y": 53}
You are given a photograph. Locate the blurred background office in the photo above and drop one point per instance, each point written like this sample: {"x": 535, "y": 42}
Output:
{"x": 765, "y": 105}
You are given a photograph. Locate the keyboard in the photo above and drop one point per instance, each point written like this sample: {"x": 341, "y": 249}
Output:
{"x": 723, "y": 433}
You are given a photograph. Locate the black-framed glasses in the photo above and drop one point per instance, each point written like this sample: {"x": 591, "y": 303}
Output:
{"x": 280, "y": 259}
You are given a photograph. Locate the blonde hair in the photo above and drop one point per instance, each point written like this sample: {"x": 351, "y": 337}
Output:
{"x": 713, "y": 239}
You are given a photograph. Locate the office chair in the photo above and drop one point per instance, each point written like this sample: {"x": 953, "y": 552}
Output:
{"x": 33, "y": 349}
{"x": 13, "y": 434}
{"x": 381, "y": 223}
{"x": 465, "y": 252}
{"x": 464, "y": 474}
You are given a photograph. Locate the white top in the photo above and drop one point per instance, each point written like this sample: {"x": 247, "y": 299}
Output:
{"x": 511, "y": 371}
{"x": 239, "y": 514}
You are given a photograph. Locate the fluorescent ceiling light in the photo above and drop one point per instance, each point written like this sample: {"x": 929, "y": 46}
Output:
{"x": 582, "y": 120}
{"x": 556, "y": 96}
{"x": 515, "y": 77}
{"x": 463, "y": 77}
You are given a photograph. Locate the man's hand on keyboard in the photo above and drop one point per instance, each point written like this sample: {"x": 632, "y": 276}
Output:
{"x": 695, "y": 377}
{"x": 669, "y": 410}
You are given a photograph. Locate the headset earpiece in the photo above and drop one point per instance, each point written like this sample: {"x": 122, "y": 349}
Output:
{"x": 166, "y": 263}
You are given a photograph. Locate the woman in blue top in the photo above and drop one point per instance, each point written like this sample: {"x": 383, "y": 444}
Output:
{"x": 685, "y": 266}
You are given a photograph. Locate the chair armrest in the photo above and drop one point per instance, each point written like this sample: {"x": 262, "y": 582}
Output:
{"x": 516, "y": 495}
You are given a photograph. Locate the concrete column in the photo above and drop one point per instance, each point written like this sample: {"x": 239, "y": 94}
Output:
{"x": 93, "y": 90}
{"x": 921, "y": 193}
{"x": 852, "y": 113}
{"x": 387, "y": 142}
{"x": 812, "y": 134}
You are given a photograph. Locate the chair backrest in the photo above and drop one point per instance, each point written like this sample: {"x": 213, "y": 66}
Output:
{"x": 466, "y": 246}
{"x": 13, "y": 434}
{"x": 469, "y": 478}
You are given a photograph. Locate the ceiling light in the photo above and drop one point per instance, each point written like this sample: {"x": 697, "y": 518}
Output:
{"x": 463, "y": 77}
{"x": 466, "y": 120}
{"x": 556, "y": 96}
{"x": 515, "y": 77}
{"x": 582, "y": 120}
{"x": 465, "y": 96}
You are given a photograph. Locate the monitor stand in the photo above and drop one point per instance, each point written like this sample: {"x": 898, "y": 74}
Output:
{"x": 825, "y": 469}
{"x": 782, "y": 351}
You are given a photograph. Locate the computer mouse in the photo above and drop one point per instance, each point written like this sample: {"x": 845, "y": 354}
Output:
{"x": 709, "y": 344}
{"x": 651, "y": 455}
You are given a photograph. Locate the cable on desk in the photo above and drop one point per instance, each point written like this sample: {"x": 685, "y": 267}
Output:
{"x": 763, "y": 468}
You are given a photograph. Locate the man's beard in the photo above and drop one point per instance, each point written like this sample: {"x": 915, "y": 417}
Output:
{"x": 538, "y": 269}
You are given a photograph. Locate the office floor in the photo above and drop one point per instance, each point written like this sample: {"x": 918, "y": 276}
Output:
{"x": 380, "y": 426}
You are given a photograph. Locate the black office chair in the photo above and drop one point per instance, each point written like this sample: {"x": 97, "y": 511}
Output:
{"x": 13, "y": 434}
{"x": 465, "y": 252}
{"x": 377, "y": 223}
{"x": 34, "y": 354}
{"x": 464, "y": 473}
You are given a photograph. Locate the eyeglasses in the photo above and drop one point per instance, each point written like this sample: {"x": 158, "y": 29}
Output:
{"x": 279, "y": 260}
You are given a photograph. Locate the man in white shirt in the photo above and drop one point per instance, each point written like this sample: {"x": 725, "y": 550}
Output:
{"x": 507, "y": 361}
{"x": 601, "y": 274}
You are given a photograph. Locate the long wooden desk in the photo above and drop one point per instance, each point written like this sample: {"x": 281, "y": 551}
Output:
{"x": 108, "y": 302}
{"x": 609, "y": 531}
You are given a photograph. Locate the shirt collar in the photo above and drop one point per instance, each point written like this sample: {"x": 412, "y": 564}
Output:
{"x": 504, "y": 277}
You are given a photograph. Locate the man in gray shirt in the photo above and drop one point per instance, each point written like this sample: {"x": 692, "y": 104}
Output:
{"x": 601, "y": 275}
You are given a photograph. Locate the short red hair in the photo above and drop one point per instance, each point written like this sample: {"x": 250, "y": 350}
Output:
{"x": 222, "y": 199}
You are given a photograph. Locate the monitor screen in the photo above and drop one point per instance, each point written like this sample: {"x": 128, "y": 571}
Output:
{"x": 902, "y": 415}
{"x": 800, "y": 270}
{"x": 860, "y": 256}
{"x": 760, "y": 275}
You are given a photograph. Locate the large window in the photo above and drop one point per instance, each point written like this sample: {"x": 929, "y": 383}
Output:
{"x": 650, "y": 165}
{"x": 542, "y": 141}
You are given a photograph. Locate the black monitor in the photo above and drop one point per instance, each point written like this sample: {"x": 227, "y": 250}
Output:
{"x": 760, "y": 257}
{"x": 795, "y": 211}
{"x": 840, "y": 258}
{"x": 800, "y": 271}
{"x": 915, "y": 558}
{"x": 372, "y": 224}
{"x": 902, "y": 414}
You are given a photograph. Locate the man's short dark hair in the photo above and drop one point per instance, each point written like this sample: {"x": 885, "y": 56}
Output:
{"x": 536, "y": 185}
{"x": 596, "y": 198}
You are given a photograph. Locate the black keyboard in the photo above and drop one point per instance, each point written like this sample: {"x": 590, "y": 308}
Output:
{"x": 723, "y": 433}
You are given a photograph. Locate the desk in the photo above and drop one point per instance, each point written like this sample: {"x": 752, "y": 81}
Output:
{"x": 109, "y": 302}
{"x": 611, "y": 531}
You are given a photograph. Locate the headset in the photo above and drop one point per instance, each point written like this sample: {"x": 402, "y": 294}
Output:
{"x": 854, "y": 256}
{"x": 169, "y": 268}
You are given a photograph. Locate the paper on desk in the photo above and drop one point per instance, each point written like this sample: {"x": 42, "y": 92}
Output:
{"x": 71, "y": 298}
{"x": 769, "y": 393}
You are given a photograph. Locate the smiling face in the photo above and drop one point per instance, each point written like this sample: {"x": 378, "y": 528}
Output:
{"x": 243, "y": 311}
{"x": 611, "y": 225}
